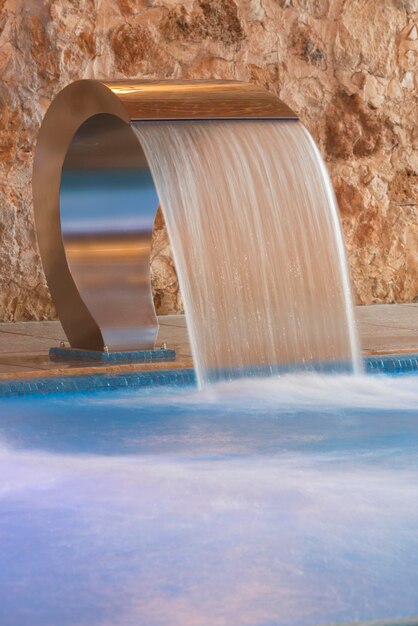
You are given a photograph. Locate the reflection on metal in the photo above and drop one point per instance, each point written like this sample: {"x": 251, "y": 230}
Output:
{"x": 95, "y": 201}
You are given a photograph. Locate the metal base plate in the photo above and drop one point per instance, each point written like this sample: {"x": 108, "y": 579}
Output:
{"x": 131, "y": 356}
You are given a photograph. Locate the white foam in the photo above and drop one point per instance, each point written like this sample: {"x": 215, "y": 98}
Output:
{"x": 289, "y": 391}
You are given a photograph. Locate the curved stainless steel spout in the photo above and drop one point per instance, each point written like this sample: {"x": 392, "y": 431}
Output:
{"x": 95, "y": 201}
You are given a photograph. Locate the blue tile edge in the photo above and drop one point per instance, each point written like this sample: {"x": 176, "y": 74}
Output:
{"x": 95, "y": 382}
{"x": 391, "y": 364}
{"x": 128, "y": 356}
{"x": 387, "y": 364}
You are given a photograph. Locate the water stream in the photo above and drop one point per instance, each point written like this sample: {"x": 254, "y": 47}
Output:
{"x": 257, "y": 245}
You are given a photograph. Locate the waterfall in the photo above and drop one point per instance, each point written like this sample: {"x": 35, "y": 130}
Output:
{"x": 257, "y": 244}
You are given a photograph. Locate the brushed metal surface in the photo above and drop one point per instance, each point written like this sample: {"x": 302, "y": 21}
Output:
{"x": 95, "y": 201}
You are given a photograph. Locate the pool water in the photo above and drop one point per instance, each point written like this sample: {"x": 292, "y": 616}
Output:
{"x": 287, "y": 501}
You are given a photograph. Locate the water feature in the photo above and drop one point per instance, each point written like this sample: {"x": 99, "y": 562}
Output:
{"x": 257, "y": 243}
{"x": 250, "y": 212}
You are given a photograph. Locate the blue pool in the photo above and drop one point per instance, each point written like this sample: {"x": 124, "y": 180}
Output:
{"x": 291, "y": 501}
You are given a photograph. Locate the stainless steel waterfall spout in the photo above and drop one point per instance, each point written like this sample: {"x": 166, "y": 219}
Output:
{"x": 95, "y": 200}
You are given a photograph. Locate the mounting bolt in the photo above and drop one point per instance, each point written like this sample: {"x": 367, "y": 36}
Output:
{"x": 163, "y": 346}
{"x": 62, "y": 344}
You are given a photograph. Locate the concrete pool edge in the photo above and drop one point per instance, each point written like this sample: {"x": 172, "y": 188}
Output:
{"x": 383, "y": 364}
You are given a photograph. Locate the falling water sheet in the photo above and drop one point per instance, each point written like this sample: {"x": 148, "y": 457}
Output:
{"x": 257, "y": 243}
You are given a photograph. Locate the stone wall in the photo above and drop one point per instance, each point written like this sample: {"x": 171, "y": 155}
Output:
{"x": 348, "y": 67}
